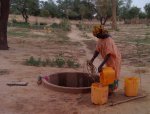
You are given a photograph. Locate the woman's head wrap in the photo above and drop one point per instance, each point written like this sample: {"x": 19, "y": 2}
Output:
{"x": 99, "y": 29}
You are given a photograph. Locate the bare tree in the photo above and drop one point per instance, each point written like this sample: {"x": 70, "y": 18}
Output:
{"x": 4, "y": 13}
{"x": 114, "y": 20}
{"x": 103, "y": 8}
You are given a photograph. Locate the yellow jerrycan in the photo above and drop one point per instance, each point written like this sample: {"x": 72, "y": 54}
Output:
{"x": 107, "y": 76}
{"x": 131, "y": 86}
{"x": 99, "y": 94}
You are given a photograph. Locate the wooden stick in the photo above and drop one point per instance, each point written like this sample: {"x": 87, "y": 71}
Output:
{"x": 17, "y": 83}
{"x": 130, "y": 99}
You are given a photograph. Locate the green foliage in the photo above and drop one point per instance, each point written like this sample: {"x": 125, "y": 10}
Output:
{"x": 33, "y": 62}
{"x": 49, "y": 8}
{"x": 84, "y": 27}
{"x": 44, "y": 13}
{"x": 133, "y": 12}
{"x": 72, "y": 64}
{"x": 33, "y": 7}
{"x": 147, "y": 10}
{"x": 25, "y": 8}
{"x": 70, "y": 9}
{"x": 104, "y": 10}
{"x": 42, "y": 23}
{"x": 29, "y": 6}
{"x": 80, "y": 26}
{"x": 20, "y": 24}
{"x": 37, "y": 25}
{"x": 64, "y": 25}
{"x": 55, "y": 25}
{"x": 142, "y": 15}
{"x": 76, "y": 9}
{"x": 59, "y": 61}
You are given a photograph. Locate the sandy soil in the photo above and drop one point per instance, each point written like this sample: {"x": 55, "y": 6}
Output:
{"x": 34, "y": 99}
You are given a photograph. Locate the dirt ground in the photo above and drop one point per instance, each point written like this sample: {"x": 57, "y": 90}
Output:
{"x": 34, "y": 99}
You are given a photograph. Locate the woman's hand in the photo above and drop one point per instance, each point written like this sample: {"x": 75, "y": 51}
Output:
{"x": 90, "y": 62}
{"x": 99, "y": 69}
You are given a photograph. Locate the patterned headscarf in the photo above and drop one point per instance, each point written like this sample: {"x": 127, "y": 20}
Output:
{"x": 99, "y": 29}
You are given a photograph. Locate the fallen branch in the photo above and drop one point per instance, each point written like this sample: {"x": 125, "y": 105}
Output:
{"x": 130, "y": 99}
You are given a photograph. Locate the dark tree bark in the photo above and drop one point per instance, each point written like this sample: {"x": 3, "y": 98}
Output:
{"x": 25, "y": 15}
{"x": 114, "y": 17}
{"x": 4, "y": 12}
{"x": 103, "y": 20}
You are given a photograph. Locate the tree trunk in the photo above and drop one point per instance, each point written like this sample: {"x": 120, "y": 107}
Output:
{"x": 4, "y": 12}
{"x": 114, "y": 20}
{"x": 25, "y": 16}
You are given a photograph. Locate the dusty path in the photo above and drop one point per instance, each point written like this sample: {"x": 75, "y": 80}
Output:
{"x": 76, "y": 36}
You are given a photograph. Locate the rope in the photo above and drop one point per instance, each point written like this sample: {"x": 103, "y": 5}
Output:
{"x": 90, "y": 70}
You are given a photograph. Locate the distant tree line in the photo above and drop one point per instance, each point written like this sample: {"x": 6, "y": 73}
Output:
{"x": 78, "y": 9}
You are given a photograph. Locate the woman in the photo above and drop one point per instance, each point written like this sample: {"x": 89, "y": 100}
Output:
{"x": 109, "y": 52}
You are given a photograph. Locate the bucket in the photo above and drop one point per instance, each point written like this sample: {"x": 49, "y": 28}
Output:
{"x": 99, "y": 94}
{"x": 131, "y": 86}
{"x": 107, "y": 76}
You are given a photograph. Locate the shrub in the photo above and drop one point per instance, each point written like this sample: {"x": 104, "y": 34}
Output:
{"x": 55, "y": 25}
{"x": 72, "y": 64}
{"x": 65, "y": 25}
{"x": 44, "y": 13}
{"x": 42, "y": 23}
{"x": 20, "y": 24}
{"x": 59, "y": 61}
{"x": 33, "y": 62}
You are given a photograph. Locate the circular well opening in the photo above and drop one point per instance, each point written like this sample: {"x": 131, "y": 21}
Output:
{"x": 72, "y": 82}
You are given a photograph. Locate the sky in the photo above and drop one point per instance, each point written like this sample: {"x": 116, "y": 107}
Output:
{"x": 138, "y": 3}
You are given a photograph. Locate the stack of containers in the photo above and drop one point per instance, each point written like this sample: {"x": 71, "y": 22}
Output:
{"x": 99, "y": 91}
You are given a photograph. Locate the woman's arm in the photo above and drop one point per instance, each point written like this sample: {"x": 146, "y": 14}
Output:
{"x": 96, "y": 53}
{"x": 104, "y": 61}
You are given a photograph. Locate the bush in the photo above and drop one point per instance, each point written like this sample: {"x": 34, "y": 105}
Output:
{"x": 42, "y": 23}
{"x": 20, "y": 24}
{"x": 65, "y": 25}
{"x": 44, "y": 13}
{"x": 58, "y": 61}
{"x": 33, "y": 62}
{"x": 80, "y": 26}
{"x": 55, "y": 25}
{"x": 14, "y": 21}
{"x": 72, "y": 64}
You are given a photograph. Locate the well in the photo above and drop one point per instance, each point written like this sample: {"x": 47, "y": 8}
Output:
{"x": 71, "y": 82}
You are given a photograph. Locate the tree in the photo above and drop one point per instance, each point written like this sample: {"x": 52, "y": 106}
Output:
{"x": 49, "y": 8}
{"x": 33, "y": 7}
{"x": 86, "y": 9}
{"x": 147, "y": 10}
{"x": 142, "y": 15}
{"x": 4, "y": 12}
{"x": 103, "y": 9}
{"x": 76, "y": 9}
{"x": 124, "y": 9}
{"x": 114, "y": 18}
{"x": 65, "y": 6}
{"x": 22, "y": 7}
{"x": 133, "y": 12}
{"x": 26, "y": 7}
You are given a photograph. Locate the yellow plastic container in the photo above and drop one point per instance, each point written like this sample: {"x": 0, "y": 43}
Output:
{"x": 99, "y": 94}
{"x": 107, "y": 76}
{"x": 131, "y": 86}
